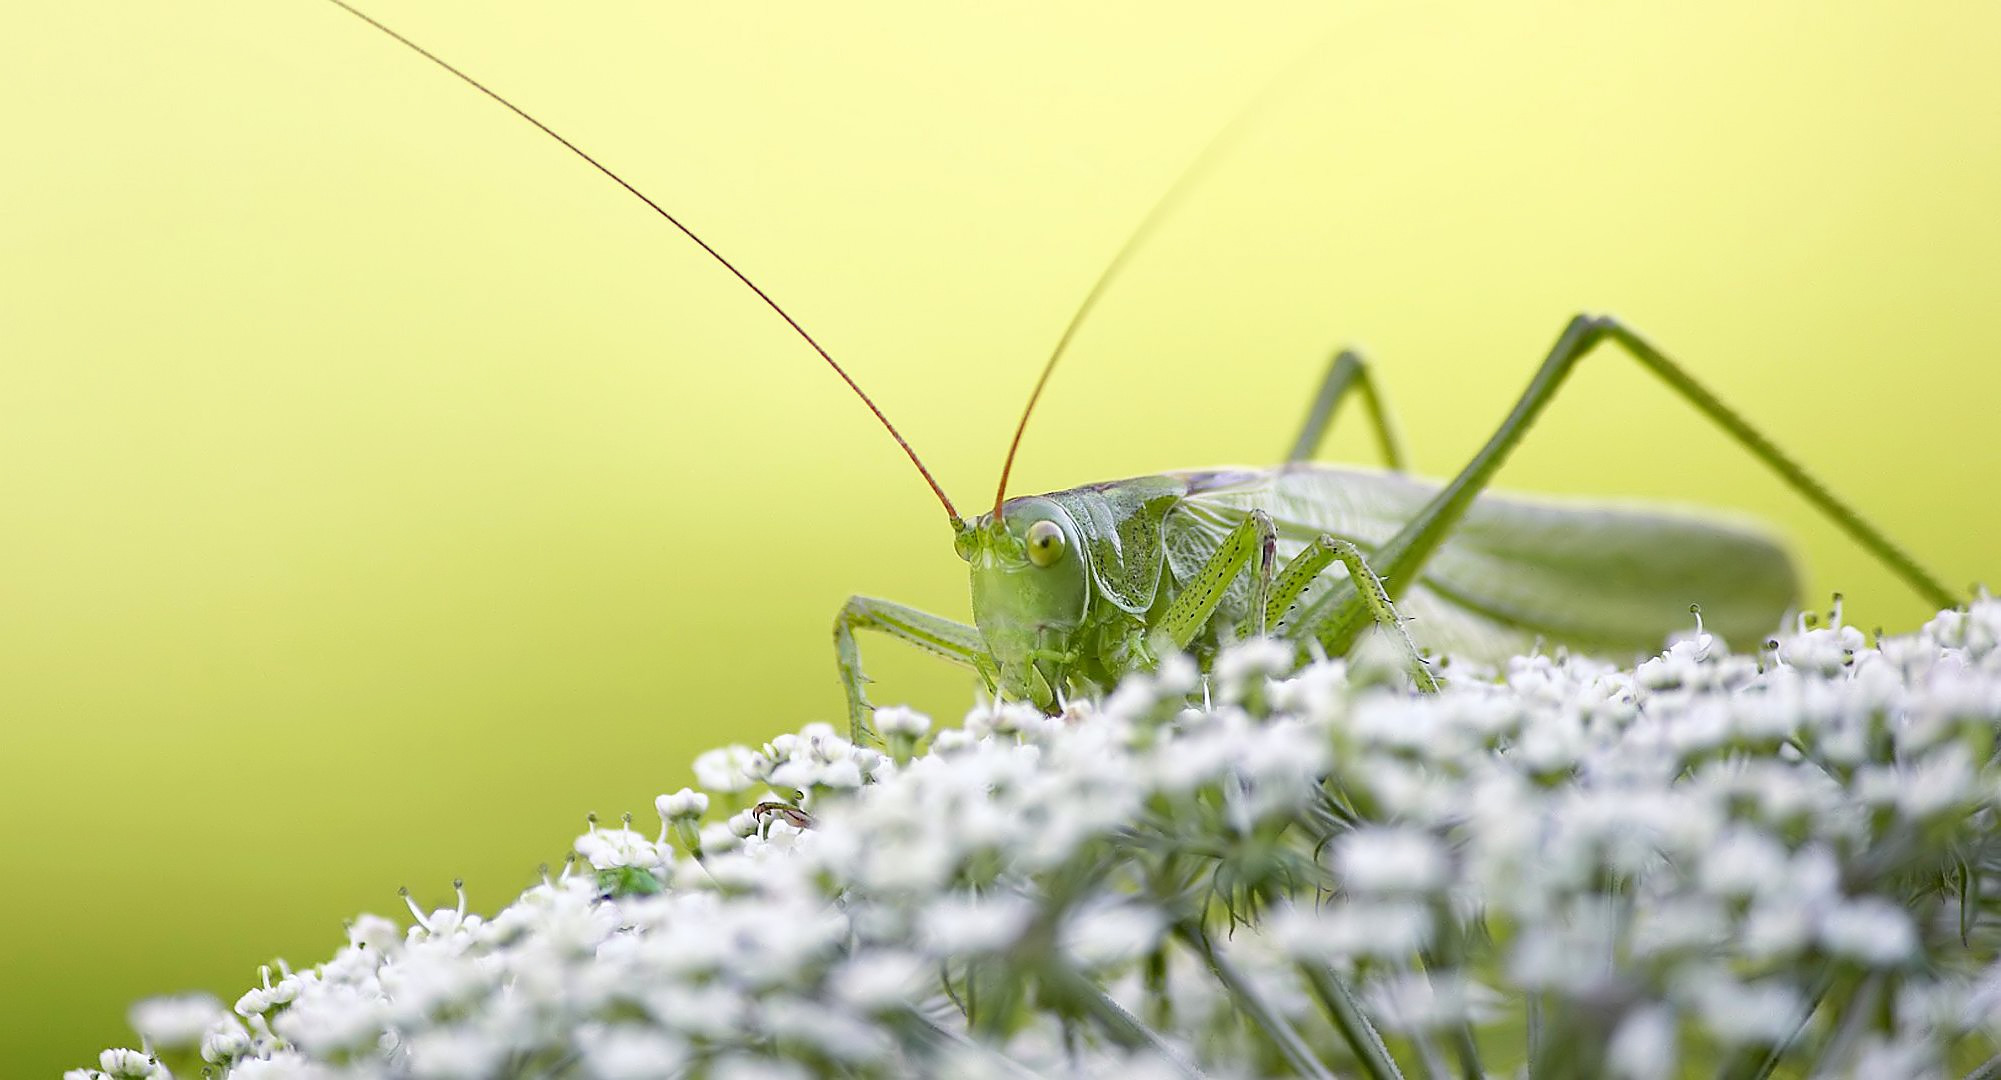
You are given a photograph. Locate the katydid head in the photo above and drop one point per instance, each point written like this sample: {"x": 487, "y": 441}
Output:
{"x": 1031, "y": 589}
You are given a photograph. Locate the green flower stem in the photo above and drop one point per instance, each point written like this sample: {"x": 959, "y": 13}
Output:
{"x": 1987, "y": 1070}
{"x": 930, "y": 1032}
{"x": 1467, "y": 1049}
{"x": 1351, "y": 1023}
{"x": 1451, "y": 952}
{"x": 1777, "y": 1054}
{"x": 1532, "y": 1020}
{"x": 1119, "y": 1025}
{"x": 1857, "y": 1013}
{"x": 1289, "y": 1044}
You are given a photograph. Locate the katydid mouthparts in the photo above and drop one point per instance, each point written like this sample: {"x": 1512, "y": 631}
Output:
{"x": 1073, "y": 589}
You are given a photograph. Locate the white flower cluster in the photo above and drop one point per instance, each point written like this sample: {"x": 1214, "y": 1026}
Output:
{"x": 1712, "y": 863}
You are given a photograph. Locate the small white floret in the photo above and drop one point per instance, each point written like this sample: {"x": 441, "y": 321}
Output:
{"x": 125, "y": 1064}
{"x": 957, "y": 925}
{"x": 375, "y": 933}
{"x": 613, "y": 849}
{"x": 1391, "y": 932}
{"x": 177, "y": 1022}
{"x": 724, "y": 769}
{"x": 1390, "y": 860}
{"x": 455, "y": 1053}
{"x": 686, "y": 804}
{"x": 633, "y": 1052}
{"x": 224, "y": 1042}
{"x": 1643, "y": 1046}
{"x": 1760, "y": 1013}
{"x": 902, "y": 722}
{"x": 1742, "y": 863}
{"x": 1871, "y": 931}
{"x": 884, "y": 980}
{"x": 1106, "y": 934}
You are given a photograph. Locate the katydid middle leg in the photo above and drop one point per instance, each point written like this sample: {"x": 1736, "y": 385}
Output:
{"x": 1348, "y": 372}
{"x": 1309, "y": 564}
{"x": 1404, "y": 555}
{"x": 954, "y": 641}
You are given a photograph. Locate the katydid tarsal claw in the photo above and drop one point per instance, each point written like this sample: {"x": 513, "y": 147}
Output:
{"x": 1073, "y": 589}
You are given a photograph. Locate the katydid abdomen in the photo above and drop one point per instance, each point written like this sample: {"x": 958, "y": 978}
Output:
{"x": 1599, "y": 577}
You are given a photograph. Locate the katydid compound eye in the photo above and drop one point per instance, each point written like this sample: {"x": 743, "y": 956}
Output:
{"x": 1045, "y": 542}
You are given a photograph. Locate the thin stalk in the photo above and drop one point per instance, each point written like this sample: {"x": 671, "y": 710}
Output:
{"x": 1428, "y": 1055}
{"x": 930, "y": 1030}
{"x": 1119, "y": 1025}
{"x": 945, "y": 980}
{"x": 1778, "y": 1053}
{"x": 1351, "y": 1023}
{"x": 1159, "y": 1010}
{"x": 1856, "y": 1018}
{"x": 1533, "y": 1022}
{"x": 1290, "y": 1046}
{"x": 1451, "y": 952}
{"x": 1468, "y": 1051}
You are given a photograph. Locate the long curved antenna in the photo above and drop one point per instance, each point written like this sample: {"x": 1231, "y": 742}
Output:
{"x": 1197, "y": 167}
{"x": 685, "y": 231}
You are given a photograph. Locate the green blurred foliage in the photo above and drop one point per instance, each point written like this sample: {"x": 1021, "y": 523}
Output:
{"x": 384, "y": 491}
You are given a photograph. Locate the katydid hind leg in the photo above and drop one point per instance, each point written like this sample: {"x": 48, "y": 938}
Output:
{"x": 1405, "y": 554}
{"x": 1350, "y": 372}
{"x": 954, "y": 641}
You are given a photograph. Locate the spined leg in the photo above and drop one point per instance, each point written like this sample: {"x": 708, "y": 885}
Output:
{"x": 1254, "y": 542}
{"x": 1375, "y": 600}
{"x": 1348, "y": 372}
{"x": 954, "y": 641}
{"x": 1405, "y": 553}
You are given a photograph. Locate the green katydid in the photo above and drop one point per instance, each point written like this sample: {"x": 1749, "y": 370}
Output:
{"x": 1073, "y": 589}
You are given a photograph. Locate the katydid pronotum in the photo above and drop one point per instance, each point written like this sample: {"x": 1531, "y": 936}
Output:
{"x": 1073, "y": 589}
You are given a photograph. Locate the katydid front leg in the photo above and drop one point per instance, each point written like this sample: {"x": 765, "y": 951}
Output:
{"x": 1254, "y": 542}
{"x": 955, "y": 641}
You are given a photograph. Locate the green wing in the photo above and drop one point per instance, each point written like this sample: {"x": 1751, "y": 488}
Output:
{"x": 1612, "y": 579}
{"x": 1602, "y": 577}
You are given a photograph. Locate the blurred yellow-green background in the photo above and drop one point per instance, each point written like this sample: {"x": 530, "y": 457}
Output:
{"x": 383, "y": 491}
